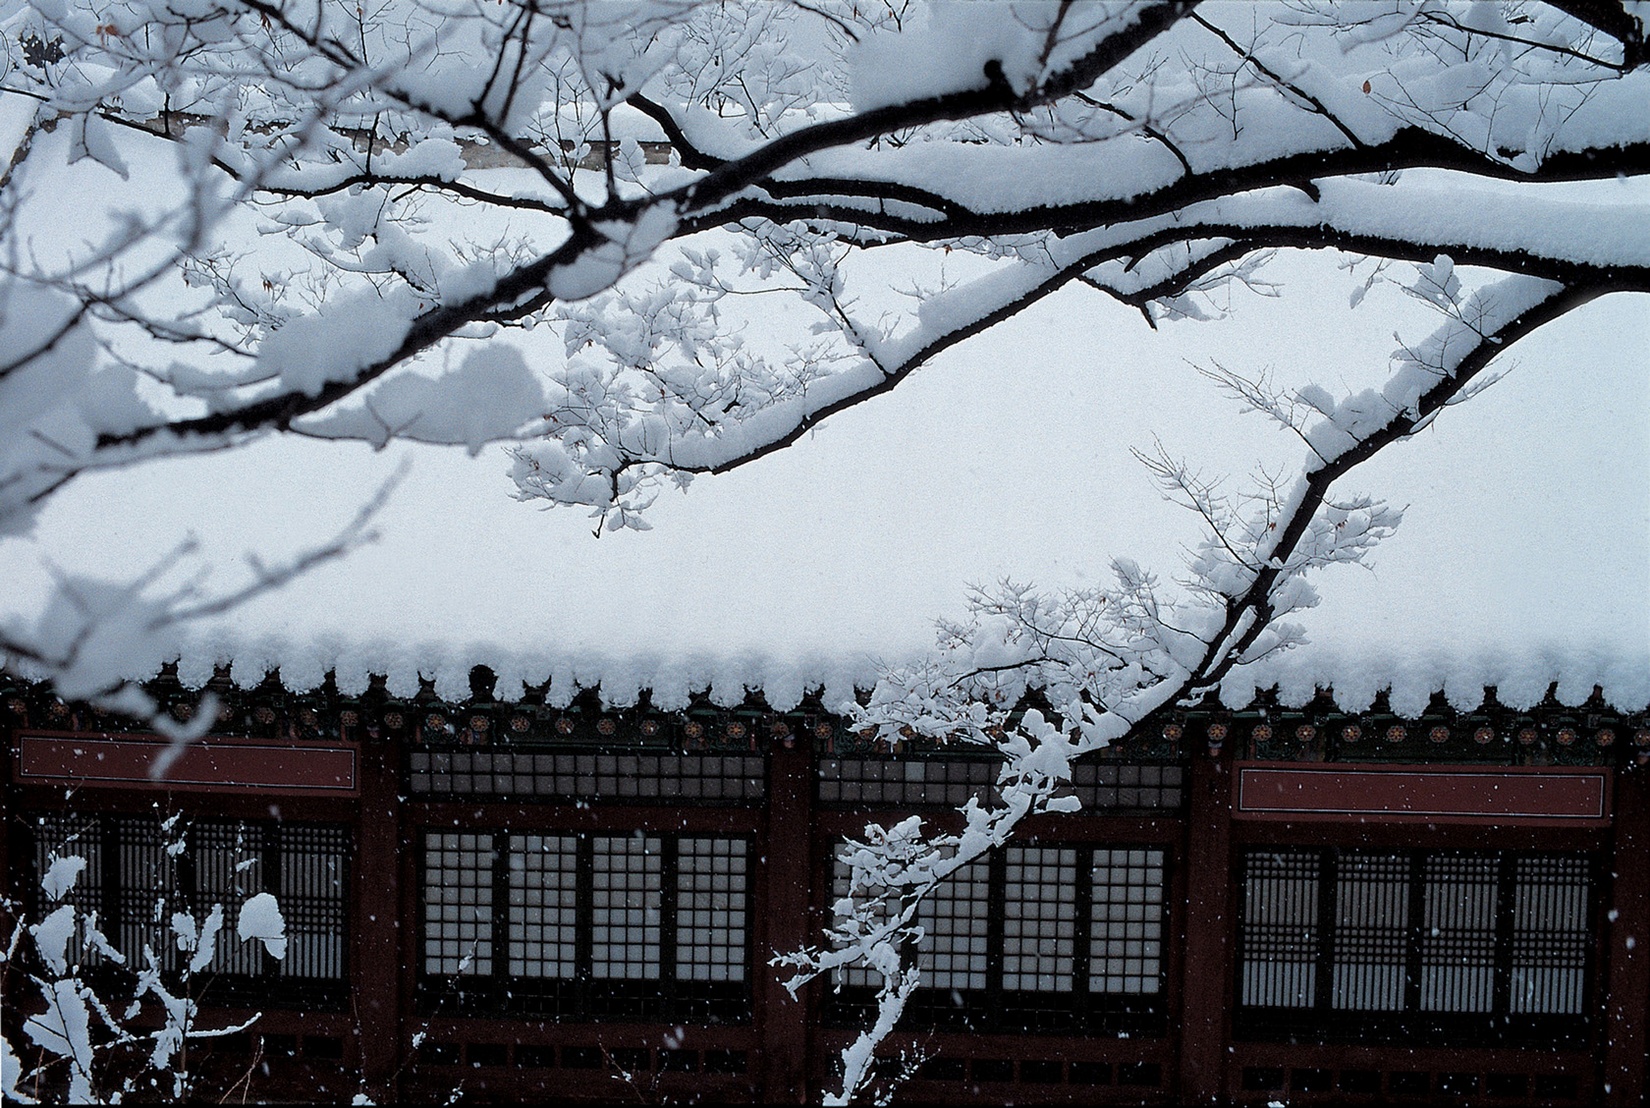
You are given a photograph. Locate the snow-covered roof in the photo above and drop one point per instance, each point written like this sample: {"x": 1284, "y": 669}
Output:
{"x": 1523, "y": 560}
{"x": 1524, "y": 557}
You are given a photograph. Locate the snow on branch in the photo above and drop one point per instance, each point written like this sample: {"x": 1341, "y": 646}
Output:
{"x": 85, "y": 1038}
{"x": 1107, "y": 659}
{"x": 352, "y": 133}
{"x": 93, "y": 632}
{"x": 645, "y": 240}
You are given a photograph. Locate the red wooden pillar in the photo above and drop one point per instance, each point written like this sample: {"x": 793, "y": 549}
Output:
{"x": 1627, "y": 949}
{"x": 377, "y": 964}
{"x": 782, "y": 900}
{"x": 1206, "y": 965}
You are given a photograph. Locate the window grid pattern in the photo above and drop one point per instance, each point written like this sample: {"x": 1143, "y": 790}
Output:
{"x": 1126, "y": 928}
{"x": 1550, "y": 936}
{"x": 1371, "y": 932}
{"x": 629, "y": 778}
{"x": 1040, "y": 931}
{"x": 228, "y": 861}
{"x": 311, "y": 894}
{"x": 910, "y": 782}
{"x": 841, "y": 884}
{"x": 1106, "y": 785}
{"x": 1035, "y": 937}
{"x": 543, "y": 905}
{"x": 1478, "y": 942}
{"x": 1458, "y": 933}
{"x": 1279, "y": 968}
{"x": 712, "y": 927}
{"x": 956, "y": 923}
{"x": 954, "y": 952}
{"x": 948, "y": 781}
{"x": 593, "y": 926}
{"x": 626, "y": 904}
{"x": 458, "y": 904}
{"x": 70, "y": 836}
{"x": 139, "y": 873}
{"x": 144, "y": 865}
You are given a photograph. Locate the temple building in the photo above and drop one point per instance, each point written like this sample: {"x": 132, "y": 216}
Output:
{"x": 539, "y": 808}
{"x": 508, "y": 896}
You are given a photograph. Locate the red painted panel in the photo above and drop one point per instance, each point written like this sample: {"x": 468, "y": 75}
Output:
{"x": 213, "y": 763}
{"x": 1463, "y": 794}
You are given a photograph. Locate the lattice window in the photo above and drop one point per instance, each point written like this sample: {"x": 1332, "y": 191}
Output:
{"x": 1126, "y": 929}
{"x": 841, "y": 885}
{"x": 1040, "y": 925}
{"x": 625, "y": 923}
{"x": 1550, "y": 936}
{"x": 1280, "y": 929}
{"x": 458, "y": 904}
{"x": 1458, "y": 933}
{"x": 1371, "y": 932}
{"x": 543, "y": 900}
{"x": 595, "y": 926}
{"x": 140, "y": 871}
{"x": 712, "y": 927}
{"x": 144, "y": 867}
{"x": 302, "y": 866}
{"x": 1044, "y": 937}
{"x": 312, "y": 899}
{"x": 905, "y": 781}
{"x": 1110, "y": 785}
{"x": 660, "y": 778}
{"x": 1475, "y": 943}
{"x": 955, "y": 920}
{"x": 70, "y": 836}
{"x": 228, "y": 863}
{"x": 914, "y": 782}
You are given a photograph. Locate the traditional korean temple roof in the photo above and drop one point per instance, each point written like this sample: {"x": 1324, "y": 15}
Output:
{"x": 1523, "y": 563}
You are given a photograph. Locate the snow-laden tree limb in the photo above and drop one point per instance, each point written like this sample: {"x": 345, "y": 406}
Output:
{"x": 73, "y": 1019}
{"x": 1149, "y": 130}
{"x": 95, "y": 629}
{"x": 546, "y": 222}
{"x": 1106, "y": 659}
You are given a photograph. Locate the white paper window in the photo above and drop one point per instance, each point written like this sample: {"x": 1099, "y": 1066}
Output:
{"x": 1040, "y": 920}
{"x": 711, "y": 924}
{"x": 1371, "y": 932}
{"x": 1550, "y": 937}
{"x": 1280, "y": 929}
{"x": 624, "y": 939}
{"x": 458, "y": 904}
{"x": 543, "y": 905}
{"x": 1126, "y": 931}
{"x": 1458, "y": 933}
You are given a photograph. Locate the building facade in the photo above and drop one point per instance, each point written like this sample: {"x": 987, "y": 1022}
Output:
{"x": 515, "y": 898}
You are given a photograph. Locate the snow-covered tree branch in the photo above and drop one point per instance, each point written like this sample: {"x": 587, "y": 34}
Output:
{"x": 1071, "y": 142}
{"x": 550, "y": 224}
{"x": 83, "y": 1032}
{"x": 1107, "y": 659}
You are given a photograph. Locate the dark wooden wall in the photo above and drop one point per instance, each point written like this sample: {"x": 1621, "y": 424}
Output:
{"x": 786, "y": 1051}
